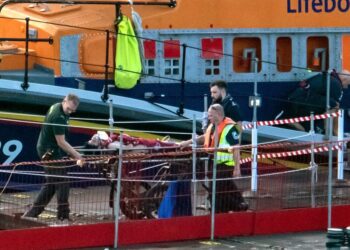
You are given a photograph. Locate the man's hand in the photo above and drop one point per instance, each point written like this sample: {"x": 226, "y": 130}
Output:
{"x": 80, "y": 162}
{"x": 185, "y": 144}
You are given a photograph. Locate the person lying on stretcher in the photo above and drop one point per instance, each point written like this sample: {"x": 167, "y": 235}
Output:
{"x": 101, "y": 140}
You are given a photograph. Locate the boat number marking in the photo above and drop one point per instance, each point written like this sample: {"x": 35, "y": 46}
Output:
{"x": 11, "y": 149}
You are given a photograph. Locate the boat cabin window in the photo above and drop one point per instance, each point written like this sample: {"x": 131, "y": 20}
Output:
{"x": 284, "y": 54}
{"x": 245, "y": 49}
{"x": 172, "y": 57}
{"x": 149, "y": 47}
{"x": 317, "y": 53}
{"x": 212, "y": 52}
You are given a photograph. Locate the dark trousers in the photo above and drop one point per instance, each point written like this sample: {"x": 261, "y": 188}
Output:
{"x": 228, "y": 197}
{"x": 53, "y": 185}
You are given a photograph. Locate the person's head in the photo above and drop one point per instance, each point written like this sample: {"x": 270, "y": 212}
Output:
{"x": 345, "y": 78}
{"x": 218, "y": 91}
{"x": 216, "y": 113}
{"x": 70, "y": 104}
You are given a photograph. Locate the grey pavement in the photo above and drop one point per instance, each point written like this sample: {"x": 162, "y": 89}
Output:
{"x": 304, "y": 241}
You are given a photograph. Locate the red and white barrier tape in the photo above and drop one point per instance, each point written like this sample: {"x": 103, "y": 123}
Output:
{"x": 291, "y": 153}
{"x": 291, "y": 120}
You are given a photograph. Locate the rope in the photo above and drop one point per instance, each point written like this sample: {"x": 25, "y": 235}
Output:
{"x": 140, "y": 180}
{"x": 8, "y": 180}
{"x": 41, "y": 163}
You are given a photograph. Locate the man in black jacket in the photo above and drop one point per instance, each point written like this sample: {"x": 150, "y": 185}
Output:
{"x": 311, "y": 96}
{"x": 218, "y": 91}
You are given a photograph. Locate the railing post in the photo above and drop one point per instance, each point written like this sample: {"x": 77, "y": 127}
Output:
{"x": 213, "y": 191}
{"x": 205, "y": 114}
{"x": 313, "y": 165}
{"x": 180, "y": 111}
{"x": 25, "y": 84}
{"x": 111, "y": 119}
{"x": 330, "y": 153}
{"x": 328, "y": 106}
{"x": 104, "y": 97}
{"x": 194, "y": 164}
{"x": 254, "y": 164}
{"x": 341, "y": 145}
{"x": 117, "y": 192}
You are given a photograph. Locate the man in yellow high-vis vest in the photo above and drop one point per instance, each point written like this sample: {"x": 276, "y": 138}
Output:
{"x": 228, "y": 197}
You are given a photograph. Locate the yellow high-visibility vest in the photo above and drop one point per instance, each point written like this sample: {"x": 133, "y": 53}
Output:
{"x": 225, "y": 157}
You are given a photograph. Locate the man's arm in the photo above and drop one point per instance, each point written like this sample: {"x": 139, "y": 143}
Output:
{"x": 232, "y": 111}
{"x": 237, "y": 158}
{"x": 199, "y": 141}
{"x": 66, "y": 147}
{"x": 233, "y": 138}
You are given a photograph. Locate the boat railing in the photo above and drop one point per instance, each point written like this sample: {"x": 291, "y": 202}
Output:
{"x": 248, "y": 56}
{"x": 117, "y": 4}
{"x": 151, "y": 180}
{"x": 169, "y": 3}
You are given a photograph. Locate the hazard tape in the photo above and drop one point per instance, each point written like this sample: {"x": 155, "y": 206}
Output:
{"x": 291, "y": 120}
{"x": 292, "y": 153}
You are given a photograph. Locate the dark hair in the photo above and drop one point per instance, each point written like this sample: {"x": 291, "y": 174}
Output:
{"x": 219, "y": 83}
{"x": 74, "y": 98}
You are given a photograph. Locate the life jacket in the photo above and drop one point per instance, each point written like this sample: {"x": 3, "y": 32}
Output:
{"x": 128, "y": 61}
{"x": 209, "y": 141}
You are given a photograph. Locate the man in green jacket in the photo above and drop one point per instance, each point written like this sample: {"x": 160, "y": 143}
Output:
{"x": 52, "y": 145}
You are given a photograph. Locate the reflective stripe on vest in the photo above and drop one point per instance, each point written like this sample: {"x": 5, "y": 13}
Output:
{"x": 225, "y": 157}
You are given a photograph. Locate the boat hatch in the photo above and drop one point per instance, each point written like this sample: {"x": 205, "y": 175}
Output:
{"x": 92, "y": 44}
{"x": 44, "y": 9}
{"x": 12, "y": 57}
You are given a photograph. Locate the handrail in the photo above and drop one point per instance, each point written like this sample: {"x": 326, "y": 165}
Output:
{"x": 104, "y": 97}
{"x": 171, "y": 3}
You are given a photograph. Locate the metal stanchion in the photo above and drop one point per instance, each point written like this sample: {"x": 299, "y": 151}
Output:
{"x": 206, "y": 181}
{"x": 330, "y": 163}
{"x": 341, "y": 148}
{"x": 117, "y": 193}
{"x": 313, "y": 165}
{"x": 205, "y": 114}
{"x": 206, "y": 163}
{"x": 194, "y": 163}
{"x": 330, "y": 153}
{"x": 254, "y": 164}
{"x": 110, "y": 120}
{"x": 213, "y": 194}
{"x": 255, "y": 103}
